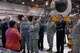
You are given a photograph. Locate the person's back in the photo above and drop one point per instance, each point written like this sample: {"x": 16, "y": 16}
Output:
{"x": 41, "y": 37}
{"x": 0, "y": 29}
{"x": 41, "y": 31}
{"x": 12, "y": 39}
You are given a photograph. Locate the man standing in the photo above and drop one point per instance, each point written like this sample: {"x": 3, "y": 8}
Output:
{"x": 24, "y": 27}
{"x": 41, "y": 35}
{"x": 60, "y": 32}
{"x": 0, "y": 28}
{"x": 50, "y": 33}
{"x": 4, "y": 27}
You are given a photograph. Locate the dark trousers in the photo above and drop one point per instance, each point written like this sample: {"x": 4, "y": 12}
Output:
{"x": 40, "y": 43}
{"x": 21, "y": 46}
{"x": 60, "y": 46}
{"x": 4, "y": 40}
{"x": 60, "y": 42}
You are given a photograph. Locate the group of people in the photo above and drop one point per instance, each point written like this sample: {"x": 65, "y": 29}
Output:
{"x": 32, "y": 34}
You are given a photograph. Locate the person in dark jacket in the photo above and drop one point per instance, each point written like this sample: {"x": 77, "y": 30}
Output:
{"x": 60, "y": 34}
{"x": 4, "y": 27}
{"x": 0, "y": 28}
{"x": 41, "y": 35}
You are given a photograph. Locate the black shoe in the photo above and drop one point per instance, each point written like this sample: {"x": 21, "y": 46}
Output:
{"x": 28, "y": 52}
{"x": 41, "y": 49}
{"x": 57, "y": 52}
{"x": 49, "y": 50}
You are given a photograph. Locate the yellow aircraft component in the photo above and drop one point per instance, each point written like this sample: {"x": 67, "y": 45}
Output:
{"x": 55, "y": 19}
{"x": 66, "y": 18}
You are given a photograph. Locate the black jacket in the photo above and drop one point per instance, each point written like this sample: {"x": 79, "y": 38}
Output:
{"x": 41, "y": 31}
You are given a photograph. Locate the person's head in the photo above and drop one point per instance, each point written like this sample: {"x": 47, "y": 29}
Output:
{"x": 50, "y": 20}
{"x": 7, "y": 19}
{"x": 77, "y": 17}
{"x": 60, "y": 17}
{"x": 34, "y": 20}
{"x": 25, "y": 18}
{"x": 13, "y": 24}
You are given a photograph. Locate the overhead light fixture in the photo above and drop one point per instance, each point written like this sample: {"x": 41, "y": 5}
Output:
{"x": 77, "y": 6}
{"x": 23, "y": 2}
{"x": 78, "y": 10}
{"x": 37, "y": 5}
{"x": 46, "y": 2}
{"x": 32, "y": 0}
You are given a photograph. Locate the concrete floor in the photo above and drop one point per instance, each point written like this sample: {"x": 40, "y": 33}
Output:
{"x": 54, "y": 45}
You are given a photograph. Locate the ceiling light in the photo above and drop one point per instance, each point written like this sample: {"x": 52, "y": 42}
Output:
{"x": 32, "y": 0}
{"x": 77, "y": 6}
{"x": 46, "y": 2}
{"x": 37, "y": 5}
{"x": 23, "y": 3}
{"x": 78, "y": 10}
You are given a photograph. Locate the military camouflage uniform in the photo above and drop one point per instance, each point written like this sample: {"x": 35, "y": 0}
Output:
{"x": 75, "y": 35}
{"x": 34, "y": 30}
{"x": 50, "y": 33}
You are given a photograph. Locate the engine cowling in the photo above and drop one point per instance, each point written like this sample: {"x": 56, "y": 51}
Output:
{"x": 62, "y": 7}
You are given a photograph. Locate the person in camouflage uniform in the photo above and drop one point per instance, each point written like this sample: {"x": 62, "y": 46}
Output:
{"x": 24, "y": 27}
{"x": 34, "y": 37}
{"x": 75, "y": 35}
{"x": 51, "y": 27}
